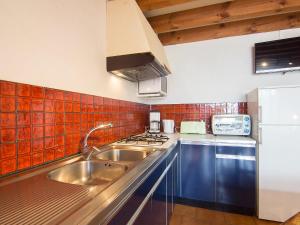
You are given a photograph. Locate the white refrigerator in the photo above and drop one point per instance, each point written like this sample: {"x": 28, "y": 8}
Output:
{"x": 275, "y": 113}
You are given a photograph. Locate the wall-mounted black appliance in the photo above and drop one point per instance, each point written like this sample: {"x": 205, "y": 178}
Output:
{"x": 277, "y": 56}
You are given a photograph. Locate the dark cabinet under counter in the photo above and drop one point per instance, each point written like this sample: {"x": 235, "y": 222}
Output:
{"x": 197, "y": 164}
{"x": 216, "y": 176}
{"x": 152, "y": 202}
{"x": 236, "y": 178}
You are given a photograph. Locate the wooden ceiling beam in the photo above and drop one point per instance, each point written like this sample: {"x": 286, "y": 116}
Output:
{"x": 265, "y": 24}
{"x": 222, "y": 13}
{"x": 148, "y": 5}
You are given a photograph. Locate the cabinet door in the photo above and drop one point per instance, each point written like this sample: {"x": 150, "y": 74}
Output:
{"x": 198, "y": 172}
{"x": 235, "y": 173}
{"x": 159, "y": 204}
{"x": 132, "y": 205}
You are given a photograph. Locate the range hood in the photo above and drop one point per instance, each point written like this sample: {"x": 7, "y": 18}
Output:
{"x": 134, "y": 51}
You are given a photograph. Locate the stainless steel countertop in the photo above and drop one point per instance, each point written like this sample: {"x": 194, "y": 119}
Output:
{"x": 32, "y": 198}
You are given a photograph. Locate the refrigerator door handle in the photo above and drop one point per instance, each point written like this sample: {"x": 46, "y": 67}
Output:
{"x": 260, "y": 136}
{"x": 260, "y": 114}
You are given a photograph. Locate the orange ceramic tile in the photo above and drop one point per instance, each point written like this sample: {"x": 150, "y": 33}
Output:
{"x": 68, "y": 107}
{"x": 7, "y": 88}
{"x": 49, "y": 155}
{"x": 90, "y": 108}
{"x": 59, "y": 140}
{"x": 37, "y": 145}
{"x": 76, "y": 107}
{"x": 37, "y": 92}
{"x": 76, "y": 117}
{"x": 49, "y": 118}
{"x": 49, "y": 106}
{"x": 24, "y": 162}
{"x": 24, "y": 147}
{"x": 23, "y": 133}
{"x": 23, "y": 104}
{"x": 68, "y": 96}
{"x": 8, "y": 166}
{"x": 8, "y": 150}
{"x": 59, "y": 118}
{"x": 23, "y": 89}
{"x": 38, "y": 131}
{"x": 59, "y": 129}
{"x": 37, "y": 105}
{"x": 37, "y": 158}
{"x": 8, "y": 119}
{"x": 49, "y": 93}
{"x": 8, "y": 104}
{"x": 23, "y": 119}
{"x": 98, "y": 100}
{"x": 37, "y": 118}
{"x": 69, "y": 128}
{"x": 76, "y": 97}
{"x": 49, "y": 142}
{"x": 59, "y": 106}
{"x": 49, "y": 130}
{"x": 59, "y": 152}
{"x": 8, "y": 135}
{"x": 58, "y": 95}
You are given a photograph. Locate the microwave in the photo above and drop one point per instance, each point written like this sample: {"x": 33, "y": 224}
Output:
{"x": 231, "y": 124}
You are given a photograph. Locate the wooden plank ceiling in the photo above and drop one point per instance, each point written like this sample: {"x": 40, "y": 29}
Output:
{"x": 209, "y": 19}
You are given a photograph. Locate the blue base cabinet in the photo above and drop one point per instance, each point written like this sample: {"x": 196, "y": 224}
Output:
{"x": 220, "y": 177}
{"x": 152, "y": 203}
{"x": 197, "y": 163}
{"x": 236, "y": 176}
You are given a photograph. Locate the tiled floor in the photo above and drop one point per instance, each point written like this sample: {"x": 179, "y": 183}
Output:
{"x": 187, "y": 215}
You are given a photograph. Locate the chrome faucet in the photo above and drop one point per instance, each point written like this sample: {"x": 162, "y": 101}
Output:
{"x": 86, "y": 148}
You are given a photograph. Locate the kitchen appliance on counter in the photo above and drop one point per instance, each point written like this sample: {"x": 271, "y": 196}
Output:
{"x": 154, "y": 121}
{"x": 231, "y": 124}
{"x": 144, "y": 140}
{"x": 275, "y": 112}
{"x": 168, "y": 126}
{"x": 193, "y": 127}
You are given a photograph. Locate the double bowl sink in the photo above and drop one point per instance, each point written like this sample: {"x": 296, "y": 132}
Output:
{"x": 104, "y": 169}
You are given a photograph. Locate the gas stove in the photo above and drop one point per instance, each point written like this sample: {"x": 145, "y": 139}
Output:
{"x": 144, "y": 140}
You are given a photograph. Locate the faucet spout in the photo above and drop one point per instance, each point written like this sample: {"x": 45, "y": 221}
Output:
{"x": 85, "y": 147}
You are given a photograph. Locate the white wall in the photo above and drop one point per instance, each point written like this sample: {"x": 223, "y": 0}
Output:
{"x": 59, "y": 44}
{"x": 220, "y": 70}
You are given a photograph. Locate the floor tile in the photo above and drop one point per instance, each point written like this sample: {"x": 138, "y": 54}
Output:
{"x": 236, "y": 219}
{"x": 185, "y": 210}
{"x": 187, "y": 215}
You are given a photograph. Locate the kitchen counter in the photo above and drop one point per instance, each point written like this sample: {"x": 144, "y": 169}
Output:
{"x": 212, "y": 139}
{"x": 33, "y": 198}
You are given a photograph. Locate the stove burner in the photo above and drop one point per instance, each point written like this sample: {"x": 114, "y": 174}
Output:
{"x": 145, "y": 139}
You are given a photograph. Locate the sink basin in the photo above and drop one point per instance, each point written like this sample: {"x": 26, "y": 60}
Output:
{"x": 123, "y": 155}
{"x": 88, "y": 173}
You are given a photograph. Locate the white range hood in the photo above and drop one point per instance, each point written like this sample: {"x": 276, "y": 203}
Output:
{"x": 134, "y": 51}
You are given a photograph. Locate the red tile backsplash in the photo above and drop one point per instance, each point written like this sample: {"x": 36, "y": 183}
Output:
{"x": 183, "y": 112}
{"x": 41, "y": 124}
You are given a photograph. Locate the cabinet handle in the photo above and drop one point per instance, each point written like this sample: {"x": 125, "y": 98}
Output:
{"x": 236, "y": 157}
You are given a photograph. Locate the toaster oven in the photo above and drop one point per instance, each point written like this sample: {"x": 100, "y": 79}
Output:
{"x": 231, "y": 124}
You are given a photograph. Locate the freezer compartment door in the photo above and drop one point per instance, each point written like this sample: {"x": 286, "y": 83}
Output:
{"x": 279, "y": 172}
{"x": 279, "y": 106}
